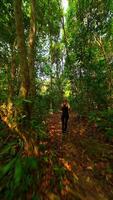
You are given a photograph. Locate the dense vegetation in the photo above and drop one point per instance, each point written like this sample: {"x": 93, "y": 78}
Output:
{"x": 47, "y": 54}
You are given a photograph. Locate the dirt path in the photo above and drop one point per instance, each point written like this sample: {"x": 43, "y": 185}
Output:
{"x": 81, "y": 163}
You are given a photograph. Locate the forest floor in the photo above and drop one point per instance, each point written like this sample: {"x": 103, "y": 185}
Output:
{"x": 80, "y": 162}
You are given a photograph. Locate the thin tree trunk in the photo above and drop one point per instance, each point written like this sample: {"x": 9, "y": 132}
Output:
{"x": 31, "y": 49}
{"x": 24, "y": 71}
{"x": 12, "y": 74}
{"x": 64, "y": 31}
{"x": 51, "y": 78}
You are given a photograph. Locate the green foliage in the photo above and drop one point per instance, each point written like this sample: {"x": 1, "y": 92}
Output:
{"x": 47, "y": 70}
{"x": 59, "y": 173}
{"x": 75, "y": 62}
{"x": 18, "y": 174}
{"x": 109, "y": 170}
{"x": 41, "y": 106}
{"x": 104, "y": 121}
{"x": 88, "y": 35}
{"x": 3, "y": 85}
{"x": 85, "y": 45}
{"x": 7, "y": 168}
{"x": 23, "y": 174}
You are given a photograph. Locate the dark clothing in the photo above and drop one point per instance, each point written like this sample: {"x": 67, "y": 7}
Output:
{"x": 64, "y": 124}
{"x": 65, "y": 112}
{"x": 65, "y": 117}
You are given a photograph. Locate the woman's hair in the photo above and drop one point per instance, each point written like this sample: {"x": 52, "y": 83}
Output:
{"x": 65, "y": 100}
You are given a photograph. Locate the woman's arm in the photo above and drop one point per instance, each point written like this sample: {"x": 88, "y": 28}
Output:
{"x": 68, "y": 106}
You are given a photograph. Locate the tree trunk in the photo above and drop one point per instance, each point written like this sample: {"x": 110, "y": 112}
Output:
{"x": 12, "y": 74}
{"x": 51, "y": 78}
{"x": 31, "y": 48}
{"x": 24, "y": 70}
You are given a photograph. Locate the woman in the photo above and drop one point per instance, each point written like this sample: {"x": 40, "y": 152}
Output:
{"x": 65, "y": 114}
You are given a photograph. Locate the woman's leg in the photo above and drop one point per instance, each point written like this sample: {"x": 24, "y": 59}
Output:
{"x": 66, "y": 122}
{"x": 63, "y": 123}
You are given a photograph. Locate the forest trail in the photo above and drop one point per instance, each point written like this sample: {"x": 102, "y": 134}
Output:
{"x": 80, "y": 168}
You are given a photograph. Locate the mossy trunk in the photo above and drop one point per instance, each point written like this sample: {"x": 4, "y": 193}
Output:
{"x": 31, "y": 48}
{"x": 24, "y": 70}
{"x": 23, "y": 62}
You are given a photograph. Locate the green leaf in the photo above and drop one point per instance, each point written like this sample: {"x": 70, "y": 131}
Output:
{"x": 47, "y": 69}
{"x": 18, "y": 172}
{"x": 7, "y": 148}
{"x": 4, "y": 170}
{"x": 27, "y": 101}
{"x": 31, "y": 163}
{"x": 45, "y": 158}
